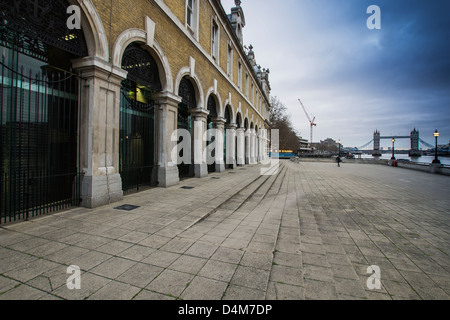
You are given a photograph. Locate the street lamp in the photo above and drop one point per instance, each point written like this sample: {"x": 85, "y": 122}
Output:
{"x": 339, "y": 147}
{"x": 436, "y": 160}
{"x": 393, "y": 149}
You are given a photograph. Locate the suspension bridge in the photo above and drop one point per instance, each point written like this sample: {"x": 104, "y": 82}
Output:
{"x": 423, "y": 143}
{"x": 417, "y": 144}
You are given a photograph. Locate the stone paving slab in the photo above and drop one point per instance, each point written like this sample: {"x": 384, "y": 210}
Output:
{"x": 310, "y": 231}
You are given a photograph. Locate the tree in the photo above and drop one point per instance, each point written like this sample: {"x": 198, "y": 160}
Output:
{"x": 280, "y": 120}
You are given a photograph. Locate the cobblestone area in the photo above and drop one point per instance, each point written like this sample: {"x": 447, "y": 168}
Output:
{"x": 310, "y": 231}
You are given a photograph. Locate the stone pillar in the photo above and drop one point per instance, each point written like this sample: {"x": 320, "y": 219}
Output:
{"x": 266, "y": 144}
{"x": 166, "y": 124}
{"x": 260, "y": 146}
{"x": 219, "y": 124}
{"x": 263, "y": 144}
{"x": 230, "y": 156}
{"x": 247, "y": 146}
{"x": 256, "y": 146}
{"x": 199, "y": 143}
{"x": 240, "y": 157}
{"x": 99, "y": 135}
{"x": 252, "y": 146}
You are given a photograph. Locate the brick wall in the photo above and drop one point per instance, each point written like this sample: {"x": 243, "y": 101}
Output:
{"x": 127, "y": 14}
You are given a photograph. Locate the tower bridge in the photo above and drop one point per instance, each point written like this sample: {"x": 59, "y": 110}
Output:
{"x": 414, "y": 137}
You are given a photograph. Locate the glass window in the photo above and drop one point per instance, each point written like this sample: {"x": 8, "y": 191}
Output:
{"x": 230, "y": 61}
{"x": 240, "y": 75}
{"x": 214, "y": 40}
{"x": 190, "y": 13}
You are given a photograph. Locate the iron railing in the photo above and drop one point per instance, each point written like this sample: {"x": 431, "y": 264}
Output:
{"x": 137, "y": 143}
{"x": 38, "y": 141}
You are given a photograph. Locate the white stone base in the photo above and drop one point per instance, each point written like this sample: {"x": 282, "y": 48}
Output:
{"x": 232, "y": 165}
{"x": 101, "y": 190}
{"x": 168, "y": 176}
{"x": 220, "y": 167}
{"x": 200, "y": 170}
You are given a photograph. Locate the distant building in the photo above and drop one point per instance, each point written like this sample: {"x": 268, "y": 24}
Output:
{"x": 304, "y": 146}
{"x": 327, "y": 146}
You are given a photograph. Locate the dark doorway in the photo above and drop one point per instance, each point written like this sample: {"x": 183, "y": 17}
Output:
{"x": 137, "y": 119}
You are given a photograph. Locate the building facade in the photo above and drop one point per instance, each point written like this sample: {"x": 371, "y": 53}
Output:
{"x": 98, "y": 96}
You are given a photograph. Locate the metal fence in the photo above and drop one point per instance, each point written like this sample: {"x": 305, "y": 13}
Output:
{"x": 38, "y": 141}
{"x": 137, "y": 142}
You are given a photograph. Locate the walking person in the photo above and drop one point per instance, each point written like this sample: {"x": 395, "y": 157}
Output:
{"x": 338, "y": 160}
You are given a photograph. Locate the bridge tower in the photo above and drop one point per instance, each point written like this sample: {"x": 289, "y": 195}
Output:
{"x": 376, "y": 144}
{"x": 415, "y": 152}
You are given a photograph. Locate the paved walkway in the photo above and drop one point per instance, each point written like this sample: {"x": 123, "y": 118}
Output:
{"x": 309, "y": 232}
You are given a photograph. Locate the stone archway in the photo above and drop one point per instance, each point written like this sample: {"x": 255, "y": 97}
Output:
{"x": 215, "y": 140}
{"x": 186, "y": 91}
{"x": 137, "y": 146}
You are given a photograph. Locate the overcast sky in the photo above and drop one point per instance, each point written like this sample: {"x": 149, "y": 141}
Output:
{"x": 352, "y": 79}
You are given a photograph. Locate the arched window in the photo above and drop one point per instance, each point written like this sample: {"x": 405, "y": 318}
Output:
{"x": 142, "y": 79}
{"x": 187, "y": 93}
{"x": 188, "y": 101}
{"x": 228, "y": 115}
{"x": 212, "y": 107}
{"x": 239, "y": 121}
{"x": 142, "y": 68}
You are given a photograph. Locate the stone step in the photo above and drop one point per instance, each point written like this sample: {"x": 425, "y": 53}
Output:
{"x": 254, "y": 192}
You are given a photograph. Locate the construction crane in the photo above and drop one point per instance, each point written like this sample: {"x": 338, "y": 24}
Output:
{"x": 312, "y": 123}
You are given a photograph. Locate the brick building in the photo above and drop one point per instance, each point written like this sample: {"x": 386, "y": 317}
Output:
{"x": 91, "y": 113}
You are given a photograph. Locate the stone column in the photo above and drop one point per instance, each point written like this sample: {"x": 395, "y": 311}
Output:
{"x": 265, "y": 145}
{"x": 240, "y": 157}
{"x": 99, "y": 135}
{"x": 252, "y": 146}
{"x": 261, "y": 145}
{"x": 199, "y": 143}
{"x": 166, "y": 124}
{"x": 231, "y": 146}
{"x": 260, "y": 148}
{"x": 219, "y": 124}
{"x": 247, "y": 146}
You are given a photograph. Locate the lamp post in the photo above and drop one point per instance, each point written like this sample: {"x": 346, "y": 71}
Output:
{"x": 339, "y": 142}
{"x": 436, "y": 160}
{"x": 393, "y": 149}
